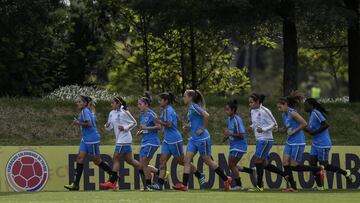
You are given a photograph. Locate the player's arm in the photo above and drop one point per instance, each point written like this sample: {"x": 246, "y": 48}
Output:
{"x": 87, "y": 120}
{"x": 132, "y": 122}
{"x": 300, "y": 120}
{"x": 323, "y": 127}
{"x": 205, "y": 116}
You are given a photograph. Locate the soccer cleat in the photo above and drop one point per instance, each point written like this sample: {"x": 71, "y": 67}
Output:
{"x": 109, "y": 185}
{"x": 147, "y": 189}
{"x": 348, "y": 175}
{"x": 202, "y": 181}
{"x": 290, "y": 190}
{"x": 72, "y": 187}
{"x": 156, "y": 186}
{"x": 236, "y": 188}
{"x": 256, "y": 189}
{"x": 316, "y": 188}
{"x": 227, "y": 183}
{"x": 180, "y": 187}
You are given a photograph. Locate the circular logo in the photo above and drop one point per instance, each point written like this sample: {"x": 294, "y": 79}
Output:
{"x": 27, "y": 171}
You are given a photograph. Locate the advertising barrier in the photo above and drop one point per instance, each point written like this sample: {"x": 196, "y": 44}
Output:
{"x": 48, "y": 168}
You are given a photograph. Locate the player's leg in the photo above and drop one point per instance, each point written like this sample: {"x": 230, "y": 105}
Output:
{"x": 200, "y": 176}
{"x": 287, "y": 169}
{"x": 234, "y": 158}
{"x": 94, "y": 151}
{"x": 323, "y": 157}
{"x": 204, "y": 147}
{"x": 161, "y": 179}
{"x": 261, "y": 153}
{"x": 146, "y": 154}
{"x": 79, "y": 168}
{"x": 296, "y": 158}
{"x": 314, "y": 163}
{"x": 118, "y": 154}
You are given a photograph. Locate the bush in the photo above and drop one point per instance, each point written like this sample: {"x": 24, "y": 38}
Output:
{"x": 71, "y": 92}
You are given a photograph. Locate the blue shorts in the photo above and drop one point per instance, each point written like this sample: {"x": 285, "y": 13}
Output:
{"x": 90, "y": 149}
{"x": 122, "y": 149}
{"x": 322, "y": 154}
{"x": 175, "y": 149}
{"x": 236, "y": 154}
{"x": 148, "y": 151}
{"x": 263, "y": 149}
{"x": 201, "y": 146}
{"x": 294, "y": 151}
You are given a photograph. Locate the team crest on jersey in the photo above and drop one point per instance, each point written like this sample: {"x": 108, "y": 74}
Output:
{"x": 27, "y": 171}
{"x": 146, "y": 119}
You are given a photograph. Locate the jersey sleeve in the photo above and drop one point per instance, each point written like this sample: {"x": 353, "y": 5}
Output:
{"x": 85, "y": 116}
{"x": 198, "y": 109}
{"x": 111, "y": 125}
{"x": 239, "y": 126}
{"x": 132, "y": 122}
{"x": 319, "y": 116}
{"x": 270, "y": 120}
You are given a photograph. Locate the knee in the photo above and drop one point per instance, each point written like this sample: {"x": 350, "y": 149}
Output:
{"x": 180, "y": 161}
{"x": 97, "y": 160}
{"x": 80, "y": 160}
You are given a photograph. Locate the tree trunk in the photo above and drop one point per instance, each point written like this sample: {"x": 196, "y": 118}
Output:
{"x": 193, "y": 59}
{"x": 290, "y": 47}
{"x": 182, "y": 61}
{"x": 353, "y": 33}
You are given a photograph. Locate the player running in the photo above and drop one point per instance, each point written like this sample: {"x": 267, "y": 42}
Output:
{"x": 90, "y": 141}
{"x": 173, "y": 143}
{"x": 321, "y": 142}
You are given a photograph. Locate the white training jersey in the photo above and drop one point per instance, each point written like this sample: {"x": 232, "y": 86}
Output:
{"x": 263, "y": 118}
{"x": 121, "y": 117}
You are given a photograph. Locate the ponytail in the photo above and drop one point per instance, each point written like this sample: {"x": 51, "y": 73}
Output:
{"x": 316, "y": 105}
{"x": 197, "y": 97}
{"x": 294, "y": 99}
{"x": 119, "y": 99}
{"x": 146, "y": 98}
{"x": 169, "y": 97}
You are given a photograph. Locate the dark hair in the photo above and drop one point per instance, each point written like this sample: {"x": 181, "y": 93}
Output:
{"x": 169, "y": 97}
{"x": 316, "y": 105}
{"x": 233, "y": 104}
{"x": 293, "y": 100}
{"x": 146, "y": 98}
{"x": 119, "y": 99}
{"x": 258, "y": 97}
{"x": 85, "y": 99}
{"x": 197, "y": 97}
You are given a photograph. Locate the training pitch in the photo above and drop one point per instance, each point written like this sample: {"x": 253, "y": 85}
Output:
{"x": 208, "y": 196}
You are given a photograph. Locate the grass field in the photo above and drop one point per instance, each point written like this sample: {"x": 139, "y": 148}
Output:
{"x": 330, "y": 196}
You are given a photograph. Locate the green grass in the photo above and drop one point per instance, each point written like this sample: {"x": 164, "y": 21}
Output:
{"x": 331, "y": 196}
{"x": 25, "y": 121}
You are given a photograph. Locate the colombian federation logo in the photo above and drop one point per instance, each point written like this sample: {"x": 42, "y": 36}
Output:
{"x": 27, "y": 171}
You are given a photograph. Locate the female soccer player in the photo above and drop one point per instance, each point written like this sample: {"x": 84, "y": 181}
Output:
{"x": 122, "y": 122}
{"x": 172, "y": 144}
{"x": 150, "y": 137}
{"x": 321, "y": 142}
{"x": 90, "y": 141}
{"x": 295, "y": 143}
{"x": 262, "y": 123}
{"x": 236, "y": 134}
{"x": 200, "y": 139}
